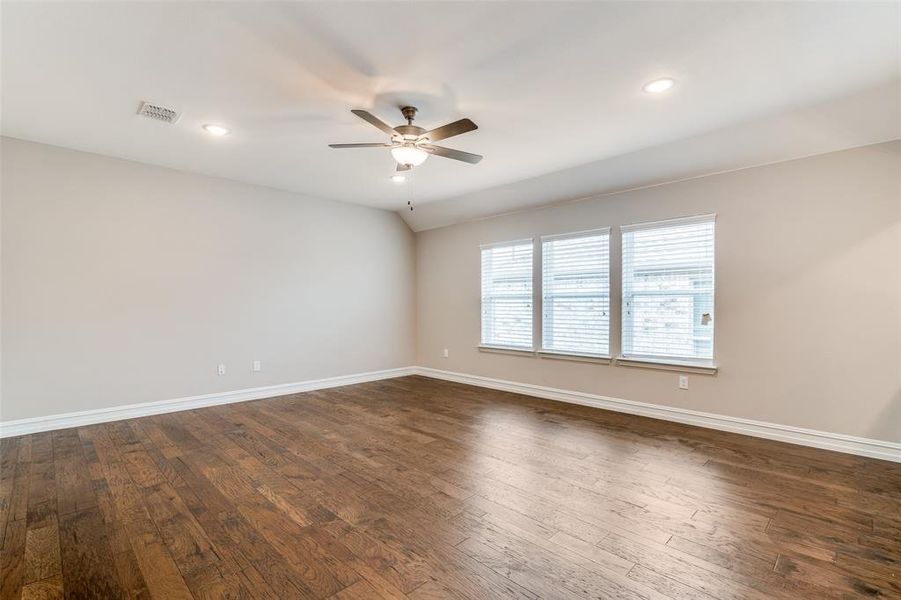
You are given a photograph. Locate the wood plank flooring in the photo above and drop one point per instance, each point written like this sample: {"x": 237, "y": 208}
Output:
{"x": 416, "y": 488}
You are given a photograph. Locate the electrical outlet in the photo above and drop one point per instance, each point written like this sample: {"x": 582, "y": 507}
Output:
{"x": 446, "y": 353}
{"x": 257, "y": 366}
{"x": 683, "y": 382}
{"x": 222, "y": 369}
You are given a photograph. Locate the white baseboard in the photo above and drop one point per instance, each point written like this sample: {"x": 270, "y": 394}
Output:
{"x": 771, "y": 431}
{"x": 130, "y": 411}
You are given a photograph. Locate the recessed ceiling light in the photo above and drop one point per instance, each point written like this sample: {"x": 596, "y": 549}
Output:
{"x": 659, "y": 86}
{"x": 216, "y": 129}
{"x": 398, "y": 178}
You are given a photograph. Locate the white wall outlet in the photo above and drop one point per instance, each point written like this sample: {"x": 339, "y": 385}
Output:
{"x": 446, "y": 353}
{"x": 222, "y": 369}
{"x": 257, "y": 366}
{"x": 683, "y": 382}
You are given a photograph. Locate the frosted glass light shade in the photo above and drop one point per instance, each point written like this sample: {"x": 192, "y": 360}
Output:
{"x": 409, "y": 155}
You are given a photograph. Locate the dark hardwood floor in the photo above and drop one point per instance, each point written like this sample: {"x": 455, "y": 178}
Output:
{"x": 415, "y": 488}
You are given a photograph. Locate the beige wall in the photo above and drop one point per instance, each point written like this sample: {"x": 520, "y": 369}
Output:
{"x": 808, "y": 267}
{"x": 125, "y": 283}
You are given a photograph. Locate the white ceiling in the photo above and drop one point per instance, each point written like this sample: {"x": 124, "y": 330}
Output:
{"x": 552, "y": 85}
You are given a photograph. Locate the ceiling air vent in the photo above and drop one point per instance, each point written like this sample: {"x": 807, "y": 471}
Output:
{"x": 160, "y": 113}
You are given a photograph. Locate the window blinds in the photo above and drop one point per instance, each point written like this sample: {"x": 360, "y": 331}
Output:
{"x": 576, "y": 293}
{"x": 507, "y": 295}
{"x": 668, "y": 281}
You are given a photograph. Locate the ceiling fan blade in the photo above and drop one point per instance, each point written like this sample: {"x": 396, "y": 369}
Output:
{"x": 359, "y": 145}
{"x": 401, "y": 167}
{"x": 450, "y": 130}
{"x": 451, "y": 153}
{"x": 367, "y": 116}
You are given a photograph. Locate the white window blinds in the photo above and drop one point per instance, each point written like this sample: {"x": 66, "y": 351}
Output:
{"x": 507, "y": 295}
{"x": 668, "y": 290}
{"x": 576, "y": 293}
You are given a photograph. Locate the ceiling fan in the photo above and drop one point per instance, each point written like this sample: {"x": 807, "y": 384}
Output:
{"x": 410, "y": 144}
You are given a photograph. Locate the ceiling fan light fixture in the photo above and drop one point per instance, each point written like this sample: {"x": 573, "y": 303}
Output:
{"x": 408, "y": 154}
{"x": 399, "y": 178}
{"x": 411, "y": 145}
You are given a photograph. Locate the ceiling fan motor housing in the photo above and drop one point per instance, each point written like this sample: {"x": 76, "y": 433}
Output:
{"x": 410, "y": 132}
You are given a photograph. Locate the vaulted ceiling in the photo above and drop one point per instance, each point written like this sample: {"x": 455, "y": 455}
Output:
{"x": 555, "y": 87}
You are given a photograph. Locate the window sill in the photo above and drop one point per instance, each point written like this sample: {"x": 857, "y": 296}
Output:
{"x": 506, "y": 350}
{"x": 592, "y": 358}
{"x": 665, "y": 365}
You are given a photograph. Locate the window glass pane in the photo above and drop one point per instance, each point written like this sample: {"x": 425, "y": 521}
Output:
{"x": 668, "y": 283}
{"x": 576, "y": 294}
{"x": 507, "y": 295}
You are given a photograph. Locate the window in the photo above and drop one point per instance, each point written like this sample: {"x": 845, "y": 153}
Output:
{"x": 507, "y": 295}
{"x": 576, "y": 293}
{"x": 668, "y": 290}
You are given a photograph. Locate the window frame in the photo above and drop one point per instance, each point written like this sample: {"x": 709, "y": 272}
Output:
{"x": 564, "y": 354}
{"x": 701, "y": 365}
{"x": 482, "y": 345}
